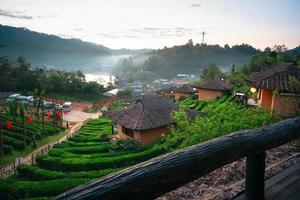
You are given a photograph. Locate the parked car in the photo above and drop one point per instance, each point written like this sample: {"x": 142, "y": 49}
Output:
{"x": 67, "y": 106}
{"x": 13, "y": 97}
{"x": 47, "y": 105}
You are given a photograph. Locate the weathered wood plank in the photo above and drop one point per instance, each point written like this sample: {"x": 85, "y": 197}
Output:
{"x": 165, "y": 173}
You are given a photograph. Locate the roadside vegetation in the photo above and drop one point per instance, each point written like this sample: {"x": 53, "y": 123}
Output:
{"x": 91, "y": 154}
{"x": 56, "y": 83}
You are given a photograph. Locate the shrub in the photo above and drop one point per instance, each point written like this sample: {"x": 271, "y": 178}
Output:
{"x": 125, "y": 144}
{"x": 26, "y": 189}
{"x": 34, "y": 173}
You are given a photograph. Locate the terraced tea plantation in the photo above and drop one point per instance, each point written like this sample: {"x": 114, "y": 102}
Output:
{"x": 86, "y": 156}
{"x": 90, "y": 154}
{"x": 13, "y": 138}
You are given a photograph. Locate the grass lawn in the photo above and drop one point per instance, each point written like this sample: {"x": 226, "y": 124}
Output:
{"x": 10, "y": 158}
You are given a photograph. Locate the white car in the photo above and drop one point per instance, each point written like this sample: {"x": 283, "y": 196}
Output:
{"x": 67, "y": 106}
{"x": 13, "y": 97}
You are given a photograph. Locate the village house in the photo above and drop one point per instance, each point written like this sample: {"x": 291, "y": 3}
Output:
{"x": 169, "y": 92}
{"x": 184, "y": 91}
{"x": 212, "y": 89}
{"x": 278, "y": 88}
{"x": 147, "y": 119}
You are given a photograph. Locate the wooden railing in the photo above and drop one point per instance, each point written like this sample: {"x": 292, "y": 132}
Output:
{"x": 165, "y": 173}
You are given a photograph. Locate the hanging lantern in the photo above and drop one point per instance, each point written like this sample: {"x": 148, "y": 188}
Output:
{"x": 253, "y": 89}
{"x": 49, "y": 115}
{"x": 59, "y": 115}
{"x": 8, "y": 125}
{"x": 29, "y": 120}
{"x": 65, "y": 112}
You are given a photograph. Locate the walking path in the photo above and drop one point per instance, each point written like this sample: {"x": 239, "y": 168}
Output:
{"x": 78, "y": 117}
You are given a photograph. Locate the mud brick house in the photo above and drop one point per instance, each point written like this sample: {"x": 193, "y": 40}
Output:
{"x": 212, "y": 89}
{"x": 147, "y": 119}
{"x": 184, "y": 91}
{"x": 278, "y": 88}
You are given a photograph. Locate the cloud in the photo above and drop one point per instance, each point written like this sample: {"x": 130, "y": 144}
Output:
{"x": 78, "y": 29}
{"x": 196, "y": 5}
{"x": 14, "y": 14}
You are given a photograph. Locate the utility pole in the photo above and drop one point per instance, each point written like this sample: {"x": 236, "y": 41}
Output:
{"x": 203, "y": 34}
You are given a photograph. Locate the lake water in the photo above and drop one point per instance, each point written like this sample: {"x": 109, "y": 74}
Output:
{"x": 103, "y": 78}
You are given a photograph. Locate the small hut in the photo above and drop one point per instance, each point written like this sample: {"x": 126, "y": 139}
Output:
{"x": 147, "y": 119}
{"x": 278, "y": 88}
{"x": 212, "y": 89}
{"x": 184, "y": 91}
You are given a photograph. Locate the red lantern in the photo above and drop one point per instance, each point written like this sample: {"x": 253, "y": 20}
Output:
{"x": 49, "y": 115}
{"x": 65, "y": 112}
{"x": 29, "y": 120}
{"x": 8, "y": 125}
{"x": 59, "y": 115}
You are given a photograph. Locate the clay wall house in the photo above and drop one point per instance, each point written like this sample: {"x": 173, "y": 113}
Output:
{"x": 278, "y": 88}
{"x": 212, "y": 89}
{"x": 147, "y": 119}
{"x": 184, "y": 91}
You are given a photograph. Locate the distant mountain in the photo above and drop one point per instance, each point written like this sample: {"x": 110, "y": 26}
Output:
{"x": 50, "y": 50}
{"x": 189, "y": 58}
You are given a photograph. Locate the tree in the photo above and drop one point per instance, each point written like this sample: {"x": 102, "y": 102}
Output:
{"x": 210, "y": 72}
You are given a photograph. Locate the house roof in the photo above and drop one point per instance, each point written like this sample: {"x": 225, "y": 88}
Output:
{"x": 214, "y": 84}
{"x": 186, "y": 88}
{"x": 276, "y": 77}
{"x": 147, "y": 112}
{"x": 165, "y": 90}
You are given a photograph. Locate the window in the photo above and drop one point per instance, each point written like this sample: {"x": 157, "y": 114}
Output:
{"x": 127, "y": 131}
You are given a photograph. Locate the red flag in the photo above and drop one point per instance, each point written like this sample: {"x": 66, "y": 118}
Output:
{"x": 8, "y": 125}
{"x": 49, "y": 115}
{"x": 29, "y": 120}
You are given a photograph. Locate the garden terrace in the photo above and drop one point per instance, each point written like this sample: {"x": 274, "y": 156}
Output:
{"x": 157, "y": 176}
{"x": 75, "y": 162}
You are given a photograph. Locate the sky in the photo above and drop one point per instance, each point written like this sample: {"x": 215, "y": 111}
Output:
{"x": 158, "y": 23}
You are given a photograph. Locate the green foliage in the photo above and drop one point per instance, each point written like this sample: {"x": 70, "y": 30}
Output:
{"x": 25, "y": 189}
{"x": 125, "y": 144}
{"x": 221, "y": 117}
{"x": 51, "y": 81}
{"x": 210, "y": 72}
{"x": 117, "y": 105}
{"x": 34, "y": 173}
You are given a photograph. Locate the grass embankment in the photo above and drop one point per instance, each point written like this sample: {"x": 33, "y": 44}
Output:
{"x": 90, "y": 154}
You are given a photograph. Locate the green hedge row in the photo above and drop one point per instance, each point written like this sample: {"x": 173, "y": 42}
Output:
{"x": 34, "y": 173}
{"x": 17, "y": 136}
{"x": 99, "y": 148}
{"x": 60, "y": 152}
{"x": 15, "y": 143}
{"x": 28, "y": 189}
{"x": 81, "y": 164}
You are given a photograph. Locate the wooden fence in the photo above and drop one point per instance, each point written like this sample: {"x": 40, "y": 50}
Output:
{"x": 10, "y": 168}
{"x": 165, "y": 173}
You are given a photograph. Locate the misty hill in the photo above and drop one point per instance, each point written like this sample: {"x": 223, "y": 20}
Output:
{"x": 50, "y": 50}
{"x": 188, "y": 58}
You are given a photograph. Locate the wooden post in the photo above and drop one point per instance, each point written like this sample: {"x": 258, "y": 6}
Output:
{"x": 255, "y": 173}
